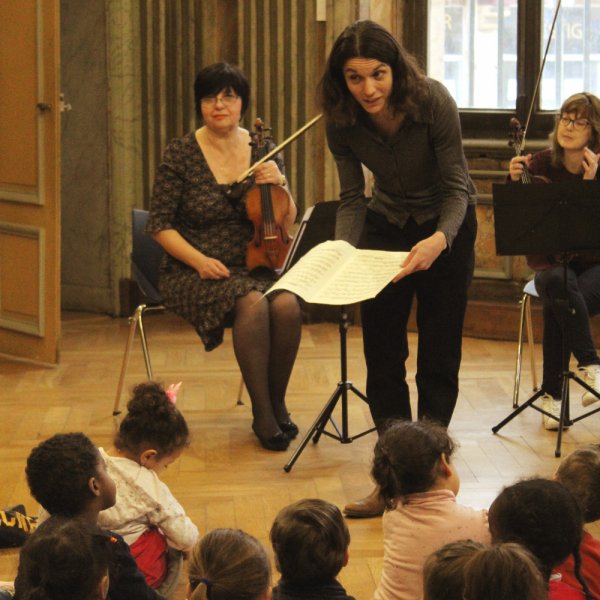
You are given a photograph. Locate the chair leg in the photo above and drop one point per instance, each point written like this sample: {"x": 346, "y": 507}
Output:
{"x": 240, "y": 402}
{"x": 519, "y": 359}
{"x": 133, "y": 321}
{"x": 531, "y": 345}
{"x": 144, "y": 343}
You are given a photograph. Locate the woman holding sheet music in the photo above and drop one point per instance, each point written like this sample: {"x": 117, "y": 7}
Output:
{"x": 384, "y": 113}
{"x": 205, "y": 231}
{"x": 573, "y": 155}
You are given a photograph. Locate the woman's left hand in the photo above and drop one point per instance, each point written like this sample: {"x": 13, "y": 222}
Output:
{"x": 423, "y": 255}
{"x": 268, "y": 172}
{"x": 590, "y": 163}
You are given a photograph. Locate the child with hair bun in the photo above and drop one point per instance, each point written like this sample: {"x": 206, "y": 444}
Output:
{"x": 418, "y": 482}
{"x": 229, "y": 564}
{"x": 151, "y": 436}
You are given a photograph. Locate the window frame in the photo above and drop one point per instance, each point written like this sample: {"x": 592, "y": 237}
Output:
{"x": 492, "y": 123}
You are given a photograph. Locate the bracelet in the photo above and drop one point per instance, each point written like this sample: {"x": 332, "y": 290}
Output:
{"x": 283, "y": 181}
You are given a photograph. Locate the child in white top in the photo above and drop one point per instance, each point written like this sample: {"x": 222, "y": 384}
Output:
{"x": 419, "y": 485}
{"x": 152, "y": 435}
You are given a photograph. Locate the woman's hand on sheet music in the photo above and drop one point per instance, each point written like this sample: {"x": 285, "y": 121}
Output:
{"x": 423, "y": 255}
{"x": 589, "y": 163}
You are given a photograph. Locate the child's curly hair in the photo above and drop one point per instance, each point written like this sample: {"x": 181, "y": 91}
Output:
{"x": 58, "y": 472}
{"x": 407, "y": 457}
{"x": 152, "y": 421}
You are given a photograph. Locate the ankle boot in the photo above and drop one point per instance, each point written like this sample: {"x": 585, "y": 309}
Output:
{"x": 371, "y": 506}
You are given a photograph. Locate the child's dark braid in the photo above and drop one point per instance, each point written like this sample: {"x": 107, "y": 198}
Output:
{"x": 578, "y": 575}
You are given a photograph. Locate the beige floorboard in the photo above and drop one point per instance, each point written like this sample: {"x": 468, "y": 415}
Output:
{"x": 225, "y": 479}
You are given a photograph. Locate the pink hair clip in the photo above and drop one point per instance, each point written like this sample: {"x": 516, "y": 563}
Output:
{"x": 172, "y": 391}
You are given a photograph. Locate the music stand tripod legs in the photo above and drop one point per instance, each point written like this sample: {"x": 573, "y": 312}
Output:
{"x": 567, "y": 375}
{"x": 340, "y": 393}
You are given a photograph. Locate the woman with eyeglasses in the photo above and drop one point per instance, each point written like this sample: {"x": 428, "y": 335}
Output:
{"x": 573, "y": 155}
{"x": 205, "y": 230}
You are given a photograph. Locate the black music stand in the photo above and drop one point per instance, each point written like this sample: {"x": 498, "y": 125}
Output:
{"x": 556, "y": 218}
{"x": 318, "y": 225}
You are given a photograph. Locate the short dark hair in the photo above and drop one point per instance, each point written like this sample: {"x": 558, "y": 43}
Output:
{"x": 503, "y": 572}
{"x": 543, "y": 516}
{"x": 369, "y": 40}
{"x": 152, "y": 421}
{"x": 64, "y": 559}
{"x": 218, "y": 77}
{"x": 59, "y": 470}
{"x": 407, "y": 458}
{"x": 310, "y": 539}
{"x": 580, "y": 474}
{"x": 444, "y": 570}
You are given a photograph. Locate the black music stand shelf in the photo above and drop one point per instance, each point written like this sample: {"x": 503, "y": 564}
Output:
{"x": 556, "y": 218}
{"x": 318, "y": 225}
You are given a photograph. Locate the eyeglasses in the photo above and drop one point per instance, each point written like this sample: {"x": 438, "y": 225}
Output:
{"x": 226, "y": 99}
{"x": 578, "y": 124}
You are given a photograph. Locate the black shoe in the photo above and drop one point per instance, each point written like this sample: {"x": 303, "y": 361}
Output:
{"x": 277, "y": 443}
{"x": 290, "y": 429}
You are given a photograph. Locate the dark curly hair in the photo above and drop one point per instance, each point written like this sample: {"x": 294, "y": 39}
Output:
{"x": 543, "y": 516}
{"x": 218, "y": 77}
{"x": 370, "y": 40}
{"x": 63, "y": 560}
{"x": 310, "y": 539}
{"x": 407, "y": 457}
{"x": 152, "y": 421}
{"x": 580, "y": 474}
{"x": 59, "y": 470}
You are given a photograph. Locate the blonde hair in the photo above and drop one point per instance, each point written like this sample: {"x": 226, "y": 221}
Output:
{"x": 229, "y": 564}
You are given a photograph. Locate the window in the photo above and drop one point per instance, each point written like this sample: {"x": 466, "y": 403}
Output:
{"x": 488, "y": 53}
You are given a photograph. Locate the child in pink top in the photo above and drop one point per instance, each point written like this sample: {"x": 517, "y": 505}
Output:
{"x": 419, "y": 485}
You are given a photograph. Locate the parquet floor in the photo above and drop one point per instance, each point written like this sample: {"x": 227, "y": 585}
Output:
{"x": 225, "y": 479}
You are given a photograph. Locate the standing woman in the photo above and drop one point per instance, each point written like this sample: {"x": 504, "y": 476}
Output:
{"x": 572, "y": 156}
{"x": 205, "y": 230}
{"x": 383, "y": 113}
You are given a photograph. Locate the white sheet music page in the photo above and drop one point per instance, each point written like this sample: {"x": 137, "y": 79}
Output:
{"x": 335, "y": 272}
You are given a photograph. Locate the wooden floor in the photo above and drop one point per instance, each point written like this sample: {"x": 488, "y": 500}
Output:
{"x": 225, "y": 479}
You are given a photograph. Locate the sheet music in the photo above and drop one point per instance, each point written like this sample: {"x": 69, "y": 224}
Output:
{"x": 334, "y": 272}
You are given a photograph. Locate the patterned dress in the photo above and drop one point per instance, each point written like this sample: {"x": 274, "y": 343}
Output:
{"x": 186, "y": 197}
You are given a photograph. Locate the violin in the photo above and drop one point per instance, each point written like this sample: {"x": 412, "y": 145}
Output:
{"x": 267, "y": 206}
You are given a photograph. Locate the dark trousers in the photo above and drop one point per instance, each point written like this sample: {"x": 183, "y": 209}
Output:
{"x": 441, "y": 294}
{"x": 583, "y": 295}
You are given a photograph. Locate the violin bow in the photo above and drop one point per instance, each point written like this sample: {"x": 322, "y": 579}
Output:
{"x": 539, "y": 77}
{"x": 275, "y": 150}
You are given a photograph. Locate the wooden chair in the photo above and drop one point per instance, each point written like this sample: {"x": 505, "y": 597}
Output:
{"x": 146, "y": 255}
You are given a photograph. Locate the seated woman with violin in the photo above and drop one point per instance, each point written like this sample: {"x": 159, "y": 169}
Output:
{"x": 573, "y": 155}
{"x": 204, "y": 228}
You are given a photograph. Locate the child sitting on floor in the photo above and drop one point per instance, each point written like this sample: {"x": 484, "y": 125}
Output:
{"x": 580, "y": 474}
{"x": 229, "y": 564}
{"x": 151, "y": 436}
{"x": 66, "y": 559}
{"x": 544, "y": 517}
{"x": 503, "y": 572}
{"x": 444, "y": 570}
{"x": 310, "y": 539}
{"x": 418, "y": 482}
{"x": 67, "y": 476}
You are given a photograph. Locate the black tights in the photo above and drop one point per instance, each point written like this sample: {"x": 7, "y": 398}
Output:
{"x": 266, "y": 336}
